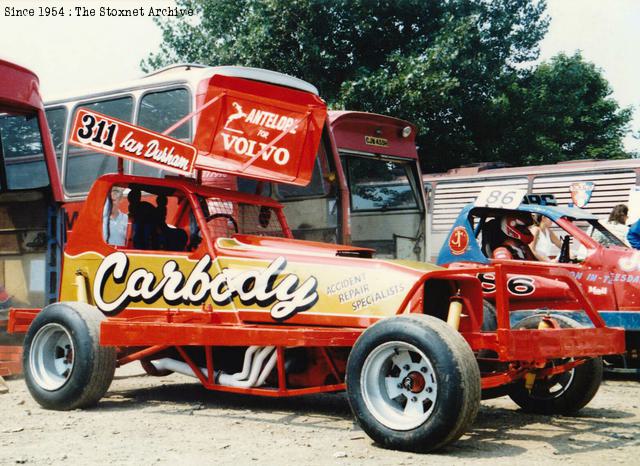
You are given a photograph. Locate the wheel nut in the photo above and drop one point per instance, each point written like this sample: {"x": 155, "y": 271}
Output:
{"x": 423, "y": 369}
{"x": 429, "y": 389}
{"x": 414, "y": 398}
{"x": 406, "y": 367}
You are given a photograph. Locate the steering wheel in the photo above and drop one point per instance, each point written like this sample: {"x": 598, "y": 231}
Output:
{"x": 227, "y": 216}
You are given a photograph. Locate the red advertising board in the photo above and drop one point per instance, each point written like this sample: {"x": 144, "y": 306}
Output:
{"x": 98, "y": 132}
{"x": 259, "y": 130}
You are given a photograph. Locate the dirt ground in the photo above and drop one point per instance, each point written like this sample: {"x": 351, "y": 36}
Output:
{"x": 171, "y": 420}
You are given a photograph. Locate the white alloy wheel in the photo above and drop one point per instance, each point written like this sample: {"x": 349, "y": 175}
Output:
{"x": 399, "y": 385}
{"x": 51, "y": 358}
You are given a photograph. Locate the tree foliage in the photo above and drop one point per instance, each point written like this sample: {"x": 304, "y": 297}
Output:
{"x": 563, "y": 110}
{"x": 456, "y": 68}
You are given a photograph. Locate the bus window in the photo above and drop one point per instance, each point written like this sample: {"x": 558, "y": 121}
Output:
{"x": 379, "y": 184}
{"x": 21, "y": 149}
{"x": 84, "y": 166}
{"x": 57, "y": 120}
{"x": 317, "y": 187}
{"x": 248, "y": 185}
{"x": 158, "y": 111}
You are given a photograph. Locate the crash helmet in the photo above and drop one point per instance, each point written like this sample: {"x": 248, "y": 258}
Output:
{"x": 517, "y": 227}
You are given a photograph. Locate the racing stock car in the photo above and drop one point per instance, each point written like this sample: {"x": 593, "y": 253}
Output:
{"x": 607, "y": 270}
{"x": 209, "y": 283}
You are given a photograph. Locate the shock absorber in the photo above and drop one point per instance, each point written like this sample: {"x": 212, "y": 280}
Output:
{"x": 455, "y": 310}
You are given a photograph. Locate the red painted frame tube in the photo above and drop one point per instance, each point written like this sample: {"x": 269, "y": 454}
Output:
{"x": 141, "y": 354}
{"x": 127, "y": 333}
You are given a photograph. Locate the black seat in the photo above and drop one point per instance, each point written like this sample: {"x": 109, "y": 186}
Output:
{"x": 492, "y": 236}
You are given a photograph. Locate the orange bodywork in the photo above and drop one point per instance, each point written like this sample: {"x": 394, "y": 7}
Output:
{"x": 239, "y": 279}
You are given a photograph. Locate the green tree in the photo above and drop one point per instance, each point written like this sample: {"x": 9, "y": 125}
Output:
{"x": 453, "y": 67}
{"x": 563, "y": 110}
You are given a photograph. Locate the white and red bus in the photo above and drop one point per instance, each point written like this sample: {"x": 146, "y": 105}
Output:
{"x": 365, "y": 187}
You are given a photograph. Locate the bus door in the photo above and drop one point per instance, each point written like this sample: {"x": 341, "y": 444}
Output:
{"x": 387, "y": 210}
{"x": 386, "y": 195}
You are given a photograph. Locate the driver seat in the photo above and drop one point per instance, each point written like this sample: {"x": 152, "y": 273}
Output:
{"x": 492, "y": 237}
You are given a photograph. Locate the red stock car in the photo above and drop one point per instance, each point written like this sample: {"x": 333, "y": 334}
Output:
{"x": 607, "y": 270}
{"x": 210, "y": 283}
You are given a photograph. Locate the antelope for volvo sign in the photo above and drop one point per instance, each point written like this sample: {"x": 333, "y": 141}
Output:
{"x": 258, "y": 134}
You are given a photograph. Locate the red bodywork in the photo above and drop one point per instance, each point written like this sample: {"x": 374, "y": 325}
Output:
{"x": 358, "y": 131}
{"x": 609, "y": 276}
{"x": 148, "y": 330}
{"x": 19, "y": 93}
{"x": 142, "y": 334}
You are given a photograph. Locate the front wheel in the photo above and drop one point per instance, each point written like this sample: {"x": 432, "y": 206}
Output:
{"x": 565, "y": 393}
{"x": 64, "y": 365}
{"x": 413, "y": 383}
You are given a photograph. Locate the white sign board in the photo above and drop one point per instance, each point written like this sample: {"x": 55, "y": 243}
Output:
{"x": 500, "y": 198}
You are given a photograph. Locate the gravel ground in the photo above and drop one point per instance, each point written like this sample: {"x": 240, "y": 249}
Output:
{"x": 171, "y": 420}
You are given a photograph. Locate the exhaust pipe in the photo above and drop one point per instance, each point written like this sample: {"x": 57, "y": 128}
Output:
{"x": 253, "y": 374}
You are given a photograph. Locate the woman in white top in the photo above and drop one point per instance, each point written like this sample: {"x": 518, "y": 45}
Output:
{"x": 616, "y": 224}
{"x": 544, "y": 239}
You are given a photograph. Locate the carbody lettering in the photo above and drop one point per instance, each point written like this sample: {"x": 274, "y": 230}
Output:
{"x": 287, "y": 297}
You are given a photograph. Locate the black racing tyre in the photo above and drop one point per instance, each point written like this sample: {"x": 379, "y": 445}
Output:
{"x": 489, "y": 319}
{"x": 64, "y": 365}
{"x": 565, "y": 393}
{"x": 490, "y": 324}
{"x": 413, "y": 383}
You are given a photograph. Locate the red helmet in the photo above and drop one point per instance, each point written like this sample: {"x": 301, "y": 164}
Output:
{"x": 517, "y": 227}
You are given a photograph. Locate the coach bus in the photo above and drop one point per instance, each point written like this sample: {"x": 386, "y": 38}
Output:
{"x": 594, "y": 185}
{"x": 365, "y": 189}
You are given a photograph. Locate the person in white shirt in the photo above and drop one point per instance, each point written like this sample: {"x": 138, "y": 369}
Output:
{"x": 544, "y": 239}
{"x": 115, "y": 229}
{"x": 617, "y": 224}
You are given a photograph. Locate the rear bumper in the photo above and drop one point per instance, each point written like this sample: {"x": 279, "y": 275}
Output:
{"x": 529, "y": 345}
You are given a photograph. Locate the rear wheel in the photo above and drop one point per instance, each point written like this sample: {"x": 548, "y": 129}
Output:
{"x": 413, "y": 383}
{"x": 564, "y": 393}
{"x": 64, "y": 365}
{"x": 489, "y": 319}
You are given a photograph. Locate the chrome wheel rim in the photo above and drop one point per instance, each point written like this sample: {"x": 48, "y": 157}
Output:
{"x": 399, "y": 385}
{"x": 554, "y": 386}
{"x": 52, "y": 356}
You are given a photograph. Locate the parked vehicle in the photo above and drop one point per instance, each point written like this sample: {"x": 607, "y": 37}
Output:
{"x": 350, "y": 198}
{"x": 210, "y": 283}
{"x": 607, "y": 270}
{"x": 26, "y": 200}
{"x": 597, "y": 185}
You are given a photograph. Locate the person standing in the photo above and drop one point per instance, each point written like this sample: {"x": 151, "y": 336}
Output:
{"x": 115, "y": 228}
{"x": 634, "y": 235}
{"x": 617, "y": 222}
